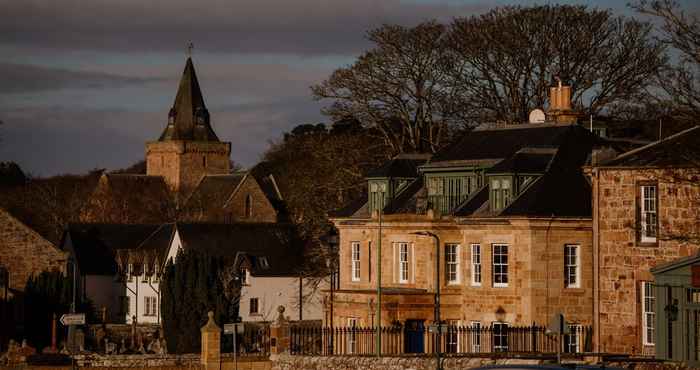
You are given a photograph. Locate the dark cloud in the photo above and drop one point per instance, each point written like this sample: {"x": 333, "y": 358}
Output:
{"x": 20, "y": 78}
{"x": 280, "y": 26}
{"x": 47, "y": 141}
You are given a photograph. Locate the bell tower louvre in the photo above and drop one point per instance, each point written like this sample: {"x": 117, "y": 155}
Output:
{"x": 188, "y": 148}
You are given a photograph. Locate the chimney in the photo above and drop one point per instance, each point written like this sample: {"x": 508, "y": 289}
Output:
{"x": 560, "y": 104}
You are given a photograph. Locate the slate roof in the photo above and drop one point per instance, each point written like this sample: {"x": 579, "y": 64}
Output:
{"x": 96, "y": 245}
{"x": 526, "y": 160}
{"x": 214, "y": 190}
{"x": 278, "y": 243}
{"x": 681, "y": 149}
{"x": 187, "y": 108}
{"x": 503, "y": 142}
{"x": 556, "y": 152}
{"x": 403, "y": 165}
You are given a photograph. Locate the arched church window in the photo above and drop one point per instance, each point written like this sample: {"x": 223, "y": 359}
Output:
{"x": 248, "y": 206}
{"x": 204, "y": 161}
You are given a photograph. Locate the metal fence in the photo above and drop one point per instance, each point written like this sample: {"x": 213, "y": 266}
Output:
{"x": 255, "y": 340}
{"x": 316, "y": 340}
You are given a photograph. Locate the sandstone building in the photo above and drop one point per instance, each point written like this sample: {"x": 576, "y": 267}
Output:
{"x": 646, "y": 213}
{"x": 510, "y": 211}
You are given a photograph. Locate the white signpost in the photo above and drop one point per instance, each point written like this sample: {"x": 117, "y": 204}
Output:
{"x": 73, "y": 319}
{"x": 234, "y": 329}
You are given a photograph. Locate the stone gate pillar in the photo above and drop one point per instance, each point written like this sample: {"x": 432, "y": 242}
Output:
{"x": 279, "y": 334}
{"x": 211, "y": 344}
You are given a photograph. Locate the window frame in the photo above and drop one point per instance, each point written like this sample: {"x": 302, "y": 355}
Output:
{"x": 351, "y": 341}
{"x": 475, "y": 326}
{"x": 495, "y": 265}
{"x": 575, "y": 267}
{"x": 452, "y": 265}
{"x": 257, "y": 306}
{"x": 404, "y": 265}
{"x": 476, "y": 266}
{"x": 572, "y": 344}
{"x": 150, "y": 305}
{"x": 648, "y": 317}
{"x": 644, "y": 213}
{"x": 355, "y": 261}
{"x": 503, "y": 335}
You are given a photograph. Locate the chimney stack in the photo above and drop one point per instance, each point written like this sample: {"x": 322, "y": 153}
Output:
{"x": 560, "y": 104}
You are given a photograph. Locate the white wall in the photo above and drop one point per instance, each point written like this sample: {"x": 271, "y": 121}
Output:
{"x": 273, "y": 292}
{"x": 137, "y": 289}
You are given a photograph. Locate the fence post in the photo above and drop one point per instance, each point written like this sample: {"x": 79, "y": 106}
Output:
{"x": 211, "y": 344}
{"x": 279, "y": 334}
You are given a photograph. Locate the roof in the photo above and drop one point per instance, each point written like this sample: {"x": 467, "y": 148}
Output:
{"x": 278, "y": 243}
{"x": 189, "y": 118}
{"x": 96, "y": 245}
{"x": 681, "y": 149}
{"x": 681, "y": 262}
{"x": 526, "y": 160}
{"x": 554, "y": 153}
{"x": 503, "y": 142}
{"x": 214, "y": 190}
{"x": 405, "y": 165}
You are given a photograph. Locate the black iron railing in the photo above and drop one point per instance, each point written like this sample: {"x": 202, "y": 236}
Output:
{"x": 317, "y": 340}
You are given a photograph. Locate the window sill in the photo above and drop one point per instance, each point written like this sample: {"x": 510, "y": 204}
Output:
{"x": 500, "y": 285}
{"x": 647, "y": 244}
{"x": 475, "y": 285}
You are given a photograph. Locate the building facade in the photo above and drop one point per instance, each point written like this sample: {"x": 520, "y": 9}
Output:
{"x": 646, "y": 206}
{"x": 500, "y": 221}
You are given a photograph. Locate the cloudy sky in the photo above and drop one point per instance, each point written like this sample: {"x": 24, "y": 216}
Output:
{"x": 85, "y": 83}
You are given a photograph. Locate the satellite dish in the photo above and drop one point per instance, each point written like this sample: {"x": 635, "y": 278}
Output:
{"x": 537, "y": 116}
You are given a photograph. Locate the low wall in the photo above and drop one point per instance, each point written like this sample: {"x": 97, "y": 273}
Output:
{"x": 181, "y": 361}
{"x": 406, "y": 362}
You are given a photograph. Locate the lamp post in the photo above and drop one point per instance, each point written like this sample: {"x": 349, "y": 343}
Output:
{"x": 379, "y": 277}
{"x": 437, "y": 294}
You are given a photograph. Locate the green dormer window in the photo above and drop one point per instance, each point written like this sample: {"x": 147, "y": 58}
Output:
{"x": 447, "y": 191}
{"x": 501, "y": 192}
{"x": 378, "y": 194}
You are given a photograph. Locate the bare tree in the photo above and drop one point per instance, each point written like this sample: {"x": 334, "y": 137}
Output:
{"x": 510, "y": 56}
{"x": 401, "y": 87}
{"x": 681, "y": 31}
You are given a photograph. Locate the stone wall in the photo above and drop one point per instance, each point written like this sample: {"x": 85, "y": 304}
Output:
{"x": 183, "y": 163}
{"x": 625, "y": 262}
{"x": 24, "y": 252}
{"x": 535, "y": 289}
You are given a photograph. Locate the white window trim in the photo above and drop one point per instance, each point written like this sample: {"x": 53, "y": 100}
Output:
{"x": 507, "y": 325}
{"x": 577, "y": 247}
{"x": 493, "y": 265}
{"x": 356, "y": 273}
{"x": 476, "y": 335}
{"x": 645, "y": 323}
{"x": 402, "y": 279}
{"x": 474, "y": 264}
{"x": 574, "y": 329}
{"x": 458, "y": 274}
{"x": 352, "y": 339}
{"x": 645, "y": 238}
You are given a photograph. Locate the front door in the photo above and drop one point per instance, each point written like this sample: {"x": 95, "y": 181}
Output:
{"x": 414, "y": 341}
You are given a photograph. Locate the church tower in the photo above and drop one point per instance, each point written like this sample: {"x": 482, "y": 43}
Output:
{"x": 188, "y": 148}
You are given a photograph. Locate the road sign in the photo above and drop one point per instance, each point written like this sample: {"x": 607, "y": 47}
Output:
{"x": 557, "y": 325}
{"x": 437, "y": 328}
{"x": 73, "y": 319}
{"x": 234, "y": 328}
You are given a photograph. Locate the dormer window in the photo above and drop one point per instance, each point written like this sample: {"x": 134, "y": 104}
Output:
{"x": 500, "y": 192}
{"x": 263, "y": 263}
{"x": 243, "y": 276}
{"x": 378, "y": 193}
{"x": 130, "y": 272}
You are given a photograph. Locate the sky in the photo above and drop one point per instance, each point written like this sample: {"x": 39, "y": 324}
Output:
{"x": 84, "y": 84}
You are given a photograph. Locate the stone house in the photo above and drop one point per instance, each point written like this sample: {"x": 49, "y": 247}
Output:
{"x": 507, "y": 209}
{"x": 646, "y": 205}
{"x": 24, "y": 252}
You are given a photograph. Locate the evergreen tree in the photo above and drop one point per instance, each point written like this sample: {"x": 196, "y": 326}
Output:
{"x": 191, "y": 287}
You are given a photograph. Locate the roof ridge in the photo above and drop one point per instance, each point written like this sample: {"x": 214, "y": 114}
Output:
{"x": 651, "y": 145}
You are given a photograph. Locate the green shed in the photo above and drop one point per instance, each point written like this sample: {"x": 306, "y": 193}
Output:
{"x": 677, "y": 293}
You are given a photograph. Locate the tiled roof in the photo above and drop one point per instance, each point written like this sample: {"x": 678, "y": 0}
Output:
{"x": 213, "y": 190}
{"x": 681, "y": 149}
{"x": 527, "y": 160}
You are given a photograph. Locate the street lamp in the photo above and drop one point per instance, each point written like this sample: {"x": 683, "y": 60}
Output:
{"x": 437, "y": 293}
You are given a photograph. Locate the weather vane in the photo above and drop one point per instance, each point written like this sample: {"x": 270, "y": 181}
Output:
{"x": 190, "y": 46}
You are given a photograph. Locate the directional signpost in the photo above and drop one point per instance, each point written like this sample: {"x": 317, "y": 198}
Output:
{"x": 234, "y": 329}
{"x": 558, "y": 326}
{"x": 73, "y": 319}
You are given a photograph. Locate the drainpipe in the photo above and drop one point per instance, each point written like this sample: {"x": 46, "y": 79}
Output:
{"x": 596, "y": 260}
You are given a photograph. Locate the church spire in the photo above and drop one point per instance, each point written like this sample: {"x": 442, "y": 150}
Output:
{"x": 189, "y": 118}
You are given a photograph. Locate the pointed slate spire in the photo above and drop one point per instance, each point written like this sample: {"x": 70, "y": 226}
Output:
{"x": 189, "y": 118}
